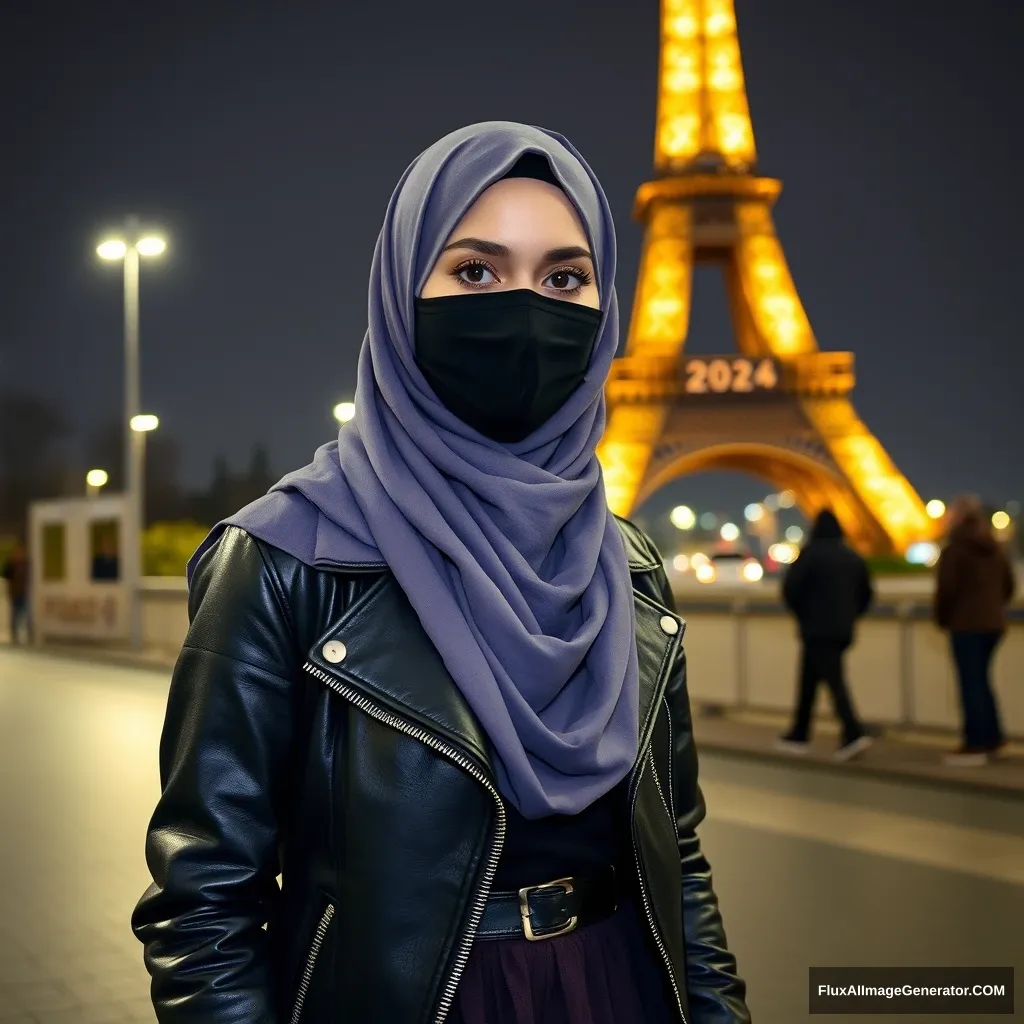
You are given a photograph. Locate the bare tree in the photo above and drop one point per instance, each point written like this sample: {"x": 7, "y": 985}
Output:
{"x": 33, "y": 463}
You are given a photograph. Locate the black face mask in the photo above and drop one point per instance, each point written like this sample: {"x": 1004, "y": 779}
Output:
{"x": 504, "y": 362}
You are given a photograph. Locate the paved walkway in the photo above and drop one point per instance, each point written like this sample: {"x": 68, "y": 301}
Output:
{"x": 812, "y": 865}
{"x": 897, "y": 754}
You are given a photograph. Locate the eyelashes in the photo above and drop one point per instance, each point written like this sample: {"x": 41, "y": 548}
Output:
{"x": 467, "y": 269}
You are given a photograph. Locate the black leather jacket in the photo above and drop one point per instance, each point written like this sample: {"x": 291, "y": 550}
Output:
{"x": 313, "y": 735}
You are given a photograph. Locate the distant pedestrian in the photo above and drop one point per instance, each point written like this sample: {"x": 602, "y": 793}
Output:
{"x": 828, "y": 588}
{"x": 974, "y": 585}
{"x": 16, "y": 574}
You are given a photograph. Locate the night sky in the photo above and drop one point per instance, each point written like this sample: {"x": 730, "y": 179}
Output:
{"x": 266, "y": 138}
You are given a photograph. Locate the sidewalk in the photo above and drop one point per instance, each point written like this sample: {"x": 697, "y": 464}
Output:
{"x": 913, "y": 756}
{"x": 153, "y": 659}
{"x": 898, "y": 754}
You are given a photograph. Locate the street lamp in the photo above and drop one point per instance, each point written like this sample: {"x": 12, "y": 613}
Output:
{"x": 344, "y": 411}
{"x": 128, "y": 246}
{"x": 95, "y": 479}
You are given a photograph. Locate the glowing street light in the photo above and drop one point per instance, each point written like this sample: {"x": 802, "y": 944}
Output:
{"x": 936, "y": 509}
{"x": 145, "y": 423}
{"x": 95, "y": 479}
{"x": 754, "y": 513}
{"x": 129, "y": 246}
{"x": 1000, "y": 520}
{"x": 114, "y": 249}
{"x": 344, "y": 411}
{"x": 730, "y": 532}
{"x": 683, "y": 517}
{"x": 794, "y": 534}
{"x": 151, "y": 245}
{"x": 708, "y": 521}
{"x": 787, "y": 499}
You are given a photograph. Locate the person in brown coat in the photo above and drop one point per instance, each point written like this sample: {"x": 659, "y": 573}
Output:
{"x": 975, "y": 584}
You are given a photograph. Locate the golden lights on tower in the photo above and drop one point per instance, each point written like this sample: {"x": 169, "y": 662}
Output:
{"x": 663, "y": 291}
{"x": 706, "y": 205}
{"x": 768, "y": 284}
{"x": 702, "y": 101}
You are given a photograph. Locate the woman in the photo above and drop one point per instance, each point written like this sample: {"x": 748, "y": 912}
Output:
{"x": 430, "y": 681}
{"x": 973, "y": 588}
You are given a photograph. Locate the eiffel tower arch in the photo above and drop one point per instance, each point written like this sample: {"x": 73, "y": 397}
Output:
{"x": 778, "y": 407}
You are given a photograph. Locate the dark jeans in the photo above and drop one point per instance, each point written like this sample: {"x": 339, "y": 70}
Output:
{"x": 973, "y": 655}
{"x": 19, "y": 618}
{"x": 823, "y": 662}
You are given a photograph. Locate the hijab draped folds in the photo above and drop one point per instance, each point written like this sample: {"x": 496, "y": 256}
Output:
{"x": 508, "y": 553}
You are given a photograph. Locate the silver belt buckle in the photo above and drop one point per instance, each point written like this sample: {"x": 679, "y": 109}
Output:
{"x": 524, "y": 909}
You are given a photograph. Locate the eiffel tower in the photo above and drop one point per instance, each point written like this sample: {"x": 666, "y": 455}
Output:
{"x": 778, "y": 407}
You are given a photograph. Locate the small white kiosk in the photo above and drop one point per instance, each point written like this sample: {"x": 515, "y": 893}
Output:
{"x": 78, "y": 589}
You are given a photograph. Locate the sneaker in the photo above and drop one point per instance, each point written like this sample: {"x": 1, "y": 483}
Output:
{"x": 787, "y": 745}
{"x": 850, "y": 750}
{"x": 967, "y": 757}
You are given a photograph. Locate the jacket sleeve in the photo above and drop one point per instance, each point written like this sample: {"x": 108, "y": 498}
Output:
{"x": 793, "y": 584}
{"x": 945, "y": 587}
{"x": 212, "y": 841}
{"x": 717, "y": 994}
{"x": 1009, "y": 579}
{"x": 866, "y": 591}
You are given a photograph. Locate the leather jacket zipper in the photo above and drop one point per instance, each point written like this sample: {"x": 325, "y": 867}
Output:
{"x": 314, "y": 952}
{"x": 658, "y": 940}
{"x": 477, "y": 909}
{"x": 661, "y": 792}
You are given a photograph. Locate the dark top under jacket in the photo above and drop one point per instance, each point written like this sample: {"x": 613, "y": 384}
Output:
{"x": 314, "y": 734}
{"x": 603, "y": 973}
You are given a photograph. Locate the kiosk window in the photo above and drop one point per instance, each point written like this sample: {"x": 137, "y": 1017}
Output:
{"x": 104, "y": 545}
{"x": 54, "y": 552}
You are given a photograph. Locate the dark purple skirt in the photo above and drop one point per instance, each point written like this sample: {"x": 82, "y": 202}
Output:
{"x": 604, "y": 973}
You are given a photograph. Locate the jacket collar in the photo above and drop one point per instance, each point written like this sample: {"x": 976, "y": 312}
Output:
{"x": 391, "y": 661}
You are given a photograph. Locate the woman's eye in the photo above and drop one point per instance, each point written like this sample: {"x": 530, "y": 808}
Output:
{"x": 476, "y": 274}
{"x": 567, "y": 280}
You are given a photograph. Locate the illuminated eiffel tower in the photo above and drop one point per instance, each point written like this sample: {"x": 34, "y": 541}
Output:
{"x": 778, "y": 407}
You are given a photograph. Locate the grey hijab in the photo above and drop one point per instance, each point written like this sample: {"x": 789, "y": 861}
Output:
{"x": 508, "y": 553}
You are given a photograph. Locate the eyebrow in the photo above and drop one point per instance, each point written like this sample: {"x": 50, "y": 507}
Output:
{"x": 486, "y": 248}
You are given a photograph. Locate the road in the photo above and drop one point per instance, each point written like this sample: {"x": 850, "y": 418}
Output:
{"x": 811, "y": 869}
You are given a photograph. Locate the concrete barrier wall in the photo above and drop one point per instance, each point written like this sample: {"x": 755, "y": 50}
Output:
{"x": 742, "y": 651}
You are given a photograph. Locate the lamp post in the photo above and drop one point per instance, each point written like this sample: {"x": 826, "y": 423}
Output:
{"x": 129, "y": 247}
{"x": 95, "y": 481}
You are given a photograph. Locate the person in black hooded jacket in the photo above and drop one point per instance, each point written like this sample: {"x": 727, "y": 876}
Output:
{"x": 828, "y": 588}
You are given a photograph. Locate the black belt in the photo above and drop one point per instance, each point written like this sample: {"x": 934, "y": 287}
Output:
{"x": 545, "y": 911}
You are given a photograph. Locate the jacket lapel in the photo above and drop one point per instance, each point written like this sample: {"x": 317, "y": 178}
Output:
{"x": 389, "y": 658}
{"x": 659, "y": 636}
